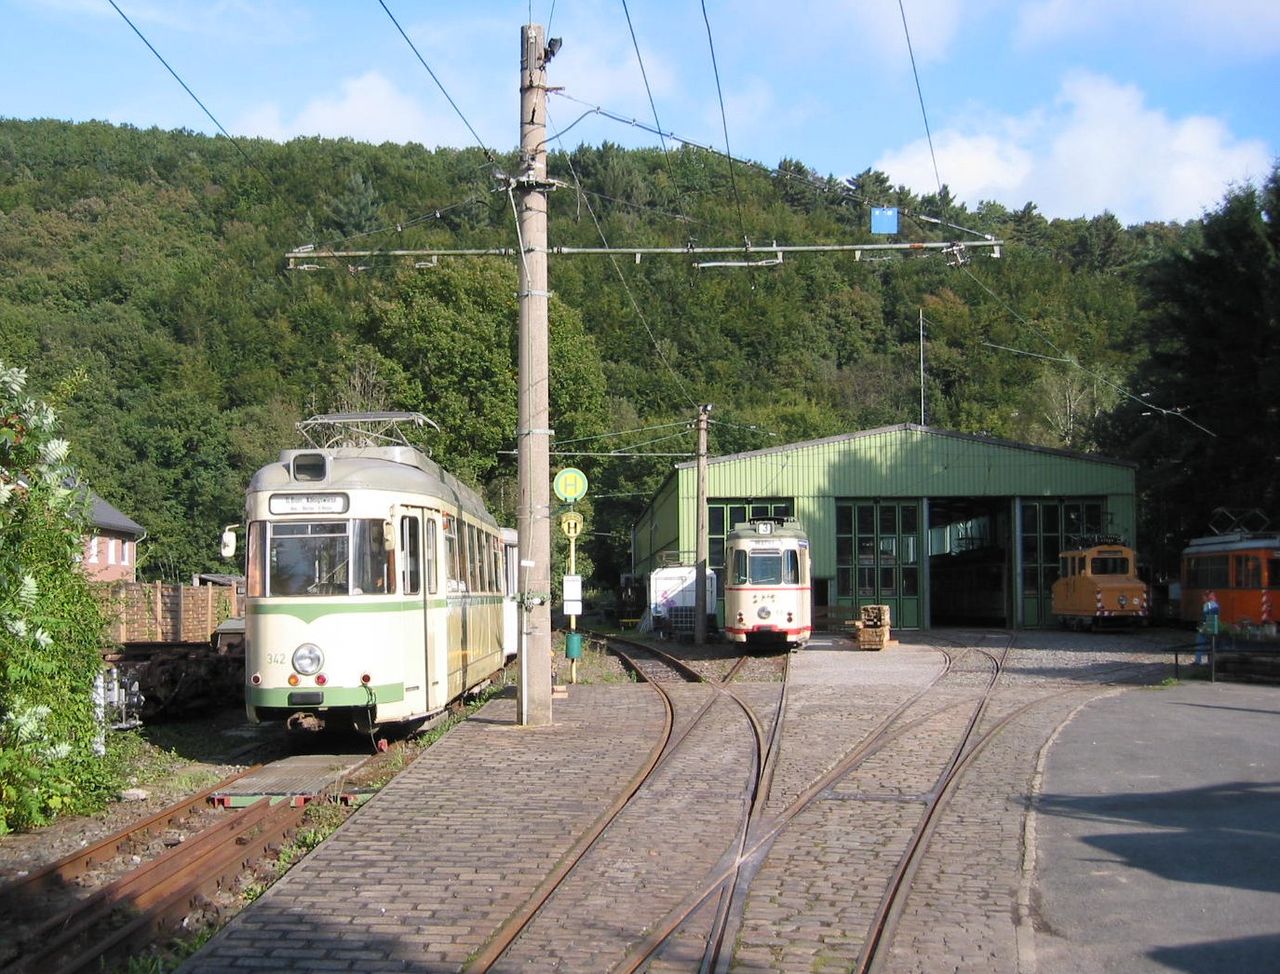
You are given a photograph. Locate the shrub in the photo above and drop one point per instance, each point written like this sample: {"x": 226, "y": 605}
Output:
{"x": 51, "y": 627}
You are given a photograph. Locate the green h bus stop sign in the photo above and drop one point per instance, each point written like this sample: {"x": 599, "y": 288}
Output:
{"x": 570, "y": 485}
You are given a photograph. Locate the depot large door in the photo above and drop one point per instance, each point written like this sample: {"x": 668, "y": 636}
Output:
{"x": 878, "y": 547}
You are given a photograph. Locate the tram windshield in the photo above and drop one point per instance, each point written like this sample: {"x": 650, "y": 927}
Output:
{"x": 306, "y": 558}
{"x": 767, "y": 568}
{"x": 1110, "y": 565}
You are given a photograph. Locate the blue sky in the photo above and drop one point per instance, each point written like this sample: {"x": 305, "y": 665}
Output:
{"x": 1150, "y": 109}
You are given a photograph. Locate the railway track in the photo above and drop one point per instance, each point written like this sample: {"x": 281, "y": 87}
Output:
{"x": 108, "y": 900}
{"x": 926, "y": 746}
{"x": 174, "y": 871}
{"x": 712, "y": 729}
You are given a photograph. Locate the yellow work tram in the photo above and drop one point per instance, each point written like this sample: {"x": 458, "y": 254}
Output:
{"x": 1098, "y": 585}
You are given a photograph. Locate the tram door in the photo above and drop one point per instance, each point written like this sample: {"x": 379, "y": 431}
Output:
{"x": 414, "y": 630}
{"x": 454, "y": 585}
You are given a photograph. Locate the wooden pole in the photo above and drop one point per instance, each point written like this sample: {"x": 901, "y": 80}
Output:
{"x": 700, "y": 542}
{"x": 533, "y": 519}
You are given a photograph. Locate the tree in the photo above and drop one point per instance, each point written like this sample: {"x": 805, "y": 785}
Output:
{"x": 355, "y": 210}
{"x": 1213, "y": 330}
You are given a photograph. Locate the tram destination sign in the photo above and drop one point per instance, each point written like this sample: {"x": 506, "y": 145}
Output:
{"x": 308, "y": 503}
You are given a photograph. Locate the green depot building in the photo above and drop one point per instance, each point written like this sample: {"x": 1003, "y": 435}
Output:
{"x": 944, "y": 528}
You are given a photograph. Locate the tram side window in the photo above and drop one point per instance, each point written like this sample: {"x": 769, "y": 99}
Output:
{"x": 473, "y": 579}
{"x": 1273, "y": 573}
{"x": 1210, "y": 571}
{"x": 497, "y": 564}
{"x": 453, "y": 578}
{"x": 410, "y": 540}
{"x": 481, "y": 559}
{"x": 433, "y": 585}
{"x": 739, "y": 567}
{"x": 1248, "y": 571}
{"x": 255, "y": 577}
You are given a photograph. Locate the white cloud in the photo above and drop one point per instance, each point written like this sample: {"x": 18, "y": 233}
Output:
{"x": 1112, "y": 151}
{"x": 974, "y": 167}
{"x": 368, "y": 108}
{"x": 1098, "y": 147}
{"x": 1241, "y": 28}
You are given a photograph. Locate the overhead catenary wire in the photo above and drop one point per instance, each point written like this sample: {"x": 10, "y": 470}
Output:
{"x": 653, "y": 107}
{"x": 186, "y": 88}
{"x": 1062, "y": 356}
{"x": 683, "y": 424}
{"x": 644, "y": 76}
{"x": 270, "y": 184}
{"x": 437, "y": 213}
{"x": 920, "y": 94}
{"x": 323, "y": 248}
{"x": 814, "y": 181}
{"x": 724, "y": 121}
{"x": 1067, "y": 359}
{"x": 631, "y": 298}
{"x": 449, "y": 98}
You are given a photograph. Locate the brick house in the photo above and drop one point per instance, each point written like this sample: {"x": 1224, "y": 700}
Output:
{"x": 111, "y": 551}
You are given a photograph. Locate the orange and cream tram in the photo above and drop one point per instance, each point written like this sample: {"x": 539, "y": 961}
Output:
{"x": 1099, "y": 585}
{"x": 1241, "y": 569}
{"x": 767, "y": 592}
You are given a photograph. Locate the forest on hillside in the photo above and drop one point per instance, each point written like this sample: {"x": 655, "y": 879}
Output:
{"x": 143, "y": 286}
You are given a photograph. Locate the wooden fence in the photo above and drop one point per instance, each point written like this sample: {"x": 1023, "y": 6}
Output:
{"x": 158, "y": 612}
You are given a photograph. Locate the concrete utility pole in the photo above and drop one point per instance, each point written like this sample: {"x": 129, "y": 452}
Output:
{"x": 700, "y": 542}
{"x": 533, "y": 519}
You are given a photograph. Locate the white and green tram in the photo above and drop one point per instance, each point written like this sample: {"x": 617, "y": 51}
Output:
{"x": 375, "y": 582}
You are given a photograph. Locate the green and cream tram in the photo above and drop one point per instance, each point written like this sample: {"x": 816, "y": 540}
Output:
{"x": 374, "y": 584}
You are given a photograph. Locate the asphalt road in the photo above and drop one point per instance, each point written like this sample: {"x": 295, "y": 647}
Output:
{"x": 1158, "y": 834}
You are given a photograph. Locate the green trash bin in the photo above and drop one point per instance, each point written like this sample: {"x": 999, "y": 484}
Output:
{"x": 573, "y": 645}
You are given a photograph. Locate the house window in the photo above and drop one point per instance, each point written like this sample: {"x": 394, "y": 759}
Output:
{"x": 111, "y": 551}
{"x": 93, "y": 550}
{"x": 124, "y": 552}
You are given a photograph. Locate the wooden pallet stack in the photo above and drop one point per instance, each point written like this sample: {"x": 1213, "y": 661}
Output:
{"x": 873, "y": 628}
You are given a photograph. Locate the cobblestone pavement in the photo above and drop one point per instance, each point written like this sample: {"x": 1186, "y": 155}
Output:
{"x": 422, "y": 876}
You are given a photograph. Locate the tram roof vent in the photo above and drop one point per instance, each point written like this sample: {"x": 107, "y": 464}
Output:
{"x": 310, "y": 468}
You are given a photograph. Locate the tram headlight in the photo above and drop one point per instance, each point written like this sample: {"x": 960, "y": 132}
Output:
{"x": 307, "y": 659}
{"x": 1124, "y": 600}
{"x": 763, "y": 612}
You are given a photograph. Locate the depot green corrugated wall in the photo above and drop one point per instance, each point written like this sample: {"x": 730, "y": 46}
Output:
{"x": 905, "y": 461}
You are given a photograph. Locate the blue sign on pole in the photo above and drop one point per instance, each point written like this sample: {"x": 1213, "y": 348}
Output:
{"x": 884, "y": 219}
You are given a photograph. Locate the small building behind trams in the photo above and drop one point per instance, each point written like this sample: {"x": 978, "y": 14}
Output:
{"x": 945, "y": 528}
